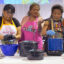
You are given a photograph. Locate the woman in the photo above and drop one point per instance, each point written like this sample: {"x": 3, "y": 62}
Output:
{"x": 55, "y": 23}
{"x": 8, "y": 24}
{"x": 29, "y": 25}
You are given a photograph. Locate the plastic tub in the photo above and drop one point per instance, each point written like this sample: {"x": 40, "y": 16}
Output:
{"x": 9, "y": 49}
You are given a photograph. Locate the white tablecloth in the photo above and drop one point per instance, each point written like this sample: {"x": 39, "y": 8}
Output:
{"x": 23, "y": 60}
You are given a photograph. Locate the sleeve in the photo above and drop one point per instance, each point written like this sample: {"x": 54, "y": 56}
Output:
{"x": 0, "y": 21}
{"x": 16, "y": 22}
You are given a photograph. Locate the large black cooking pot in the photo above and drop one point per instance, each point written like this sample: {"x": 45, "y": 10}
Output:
{"x": 25, "y": 46}
{"x": 35, "y": 54}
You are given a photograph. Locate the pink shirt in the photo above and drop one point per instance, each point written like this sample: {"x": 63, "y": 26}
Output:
{"x": 30, "y": 33}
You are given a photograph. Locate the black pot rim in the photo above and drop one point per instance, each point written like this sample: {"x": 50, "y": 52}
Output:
{"x": 36, "y": 51}
{"x": 27, "y": 41}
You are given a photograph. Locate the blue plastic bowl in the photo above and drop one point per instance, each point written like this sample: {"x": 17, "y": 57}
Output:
{"x": 9, "y": 49}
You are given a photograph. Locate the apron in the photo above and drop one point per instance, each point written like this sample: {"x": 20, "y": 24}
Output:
{"x": 8, "y": 29}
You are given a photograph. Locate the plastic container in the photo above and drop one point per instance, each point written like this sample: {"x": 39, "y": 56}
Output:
{"x": 9, "y": 49}
{"x": 55, "y": 46}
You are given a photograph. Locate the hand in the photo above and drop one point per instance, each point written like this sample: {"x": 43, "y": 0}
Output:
{"x": 50, "y": 32}
{"x": 40, "y": 19}
{"x": 42, "y": 24}
{"x": 1, "y": 37}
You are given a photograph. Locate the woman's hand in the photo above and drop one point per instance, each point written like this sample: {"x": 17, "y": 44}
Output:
{"x": 18, "y": 35}
{"x": 1, "y": 37}
{"x": 40, "y": 19}
{"x": 40, "y": 24}
{"x": 44, "y": 27}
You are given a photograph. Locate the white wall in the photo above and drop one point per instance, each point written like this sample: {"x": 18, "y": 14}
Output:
{"x": 22, "y": 10}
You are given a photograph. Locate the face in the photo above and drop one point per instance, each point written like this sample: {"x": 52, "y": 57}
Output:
{"x": 56, "y": 15}
{"x": 34, "y": 11}
{"x": 8, "y": 15}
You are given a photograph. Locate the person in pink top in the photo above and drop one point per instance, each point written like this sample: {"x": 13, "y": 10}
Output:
{"x": 29, "y": 29}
